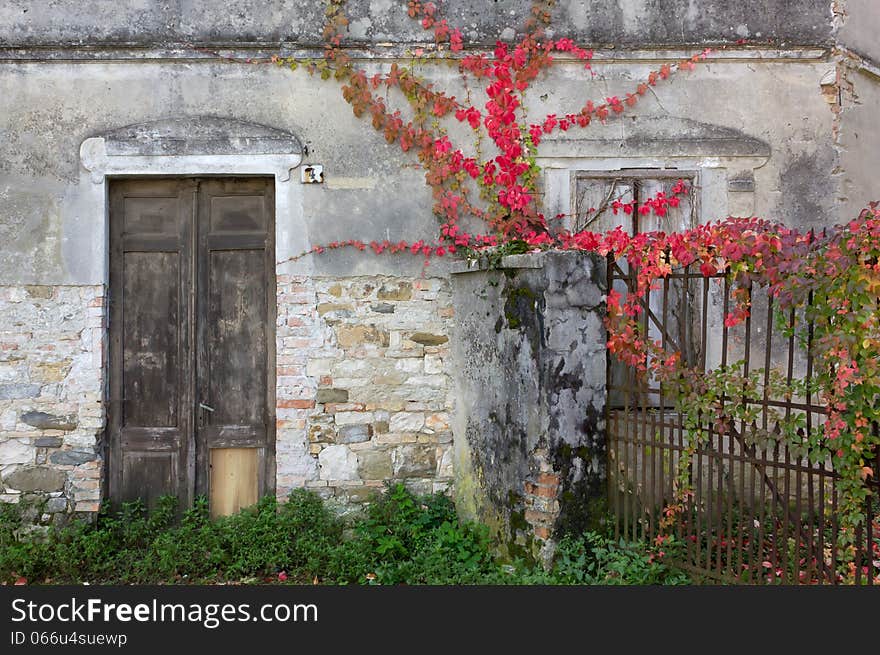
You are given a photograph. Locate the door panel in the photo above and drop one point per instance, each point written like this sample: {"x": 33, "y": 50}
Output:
{"x": 192, "y": 317}
{"x": 236, "y": 383}
{"x": 150, "y": 413}
{"x": 236, "y": 333}
{"x": 151, "y": 346}
{"x": 234, "y": 479}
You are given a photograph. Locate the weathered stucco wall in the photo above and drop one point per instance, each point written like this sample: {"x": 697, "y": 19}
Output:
{"x": 624, "y": 22}
{"x": 858, "y": 135}
{"x": 529, "y": 423}
{"x": 859, "y": 25}
{"x": 51, "y": 224}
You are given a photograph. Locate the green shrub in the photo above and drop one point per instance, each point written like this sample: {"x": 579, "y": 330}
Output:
{"x": 400, "y": 539}
{"x": 596, "y": 559}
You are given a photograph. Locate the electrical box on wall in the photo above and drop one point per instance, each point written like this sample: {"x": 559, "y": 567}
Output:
{"x": 312, "y": 174}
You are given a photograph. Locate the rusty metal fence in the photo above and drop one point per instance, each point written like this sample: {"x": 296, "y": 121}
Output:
{"x": 758, "y": 510}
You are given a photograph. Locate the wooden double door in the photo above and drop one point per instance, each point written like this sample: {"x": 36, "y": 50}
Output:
{"x": 191, "y": 358}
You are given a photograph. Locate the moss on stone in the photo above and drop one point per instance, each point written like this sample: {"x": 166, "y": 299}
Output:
{"x": 520, "y": 302}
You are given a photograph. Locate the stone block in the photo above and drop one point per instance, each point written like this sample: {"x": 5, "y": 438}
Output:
{"x": 437, "y": 422}
{"x": 36, "y": 478}
{"x": 50, "y": 371}
{"x": 354, "y": 434}
{"x": 433, "y": 364}
{"x": 48, "y": 442}
{"x": 353, "y": 368}
{"x": 375, "y": 465}
{"x": 327, "y": 307}
{"x": 45, "y": 421}
{"x": 415, "y": 461}
{"x": 445, "y": 469}
{"x": 383, "y": 308}
{"x": 331, "y": 396}
{"x": 338, "y": 463}
{"x": 415, "y": 393}
{"x": 352, "y": 418}
{"x": 55, "y": 505}
{"x": 436, "y": 381}
{"x": 14, "y": 451}
{"x": 333, "y": 408}
{"x": 427, "y": 339}
{"x": 320, "y": 434}
{"x": 349, "y": 336}
{"x": 72, "y": 457}
{"x": 39, "y": 291}
{"x": 407, "y": 422}
{"x": 395, "y": 291}
{"x": 410, "y": 365}
{"x": 390, "y": 379}
{"x": 318, "y": 367}
{"x": 19, "y": 391}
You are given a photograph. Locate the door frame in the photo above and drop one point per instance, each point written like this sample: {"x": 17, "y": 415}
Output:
{"x": 194, "y": 471}
{"x": 166, "y": 153}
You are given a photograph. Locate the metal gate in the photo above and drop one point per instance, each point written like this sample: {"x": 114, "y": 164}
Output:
{"x": 760, "y": 511}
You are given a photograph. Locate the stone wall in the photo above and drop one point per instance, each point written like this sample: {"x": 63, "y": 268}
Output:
{"x": 363, "y": 395}
{"x": 363, "y": 389}
{"x": 529, "y": 346}
{"x": 51, "y": 393}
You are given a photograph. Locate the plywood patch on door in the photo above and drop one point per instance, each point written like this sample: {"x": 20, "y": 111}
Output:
{"x": 233, "y": 479}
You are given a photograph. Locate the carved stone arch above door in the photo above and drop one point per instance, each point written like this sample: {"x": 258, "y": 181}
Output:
{"x": 194, "y": 146}
{"x": 226, "y": 145}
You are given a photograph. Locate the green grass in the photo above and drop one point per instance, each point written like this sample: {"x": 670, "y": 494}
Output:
{"x": 400, "y": 539}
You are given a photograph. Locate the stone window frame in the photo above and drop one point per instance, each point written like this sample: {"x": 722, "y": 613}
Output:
{"x": 722, "y": 159}
{"x": 631, "y": 176}
{"x": 716, "y": 192}
{"x": 723, "y": 175}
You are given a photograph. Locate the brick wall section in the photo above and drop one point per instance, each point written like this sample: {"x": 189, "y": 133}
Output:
{"x": 297, "y": 334}
{"x": 363, "y": 392}
{"x": 51, "y": 392}
{"x": 540, "y": 496}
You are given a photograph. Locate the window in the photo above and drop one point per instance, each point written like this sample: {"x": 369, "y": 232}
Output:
{"x": 597, "y": 192}
{"x": 629, "y": 199}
